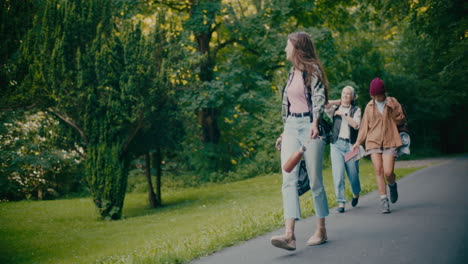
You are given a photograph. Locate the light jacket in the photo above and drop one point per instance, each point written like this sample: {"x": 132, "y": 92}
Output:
{"x": 379, "y": 130}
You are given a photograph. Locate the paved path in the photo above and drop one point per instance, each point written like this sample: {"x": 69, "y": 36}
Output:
{"x": 429, "y": 224}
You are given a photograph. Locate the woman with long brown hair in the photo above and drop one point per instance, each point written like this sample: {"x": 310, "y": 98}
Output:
{"x": 304, "y": 99}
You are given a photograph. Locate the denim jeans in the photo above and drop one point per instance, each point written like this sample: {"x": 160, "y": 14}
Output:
{"x": 337, "y": 152}
{"x": 297, "y": 133}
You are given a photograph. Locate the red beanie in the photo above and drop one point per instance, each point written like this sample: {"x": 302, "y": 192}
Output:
{"x": 376, "y": 87}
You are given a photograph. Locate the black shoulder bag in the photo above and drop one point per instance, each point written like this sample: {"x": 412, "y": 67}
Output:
{"x": 303, "y": 184}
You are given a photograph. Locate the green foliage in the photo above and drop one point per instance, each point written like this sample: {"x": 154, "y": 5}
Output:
{"x": 13, "y": 25}
{"x": 201, "y": 83}
{"x": 428, "y": 69}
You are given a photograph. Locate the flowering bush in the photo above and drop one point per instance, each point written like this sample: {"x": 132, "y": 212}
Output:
{"x": 31, "y": 166}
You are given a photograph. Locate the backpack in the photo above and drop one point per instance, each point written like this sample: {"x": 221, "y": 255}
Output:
{"x": 404, "y": 126}
{"x": 404, "y": 135}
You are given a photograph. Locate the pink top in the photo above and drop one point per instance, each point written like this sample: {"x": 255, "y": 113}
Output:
{"x": 296, "y": 94}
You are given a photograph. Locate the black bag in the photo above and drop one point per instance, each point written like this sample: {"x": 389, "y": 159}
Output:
{"x": 325, "y": 130}
{"x": 303, "y": 184}
{"x": 404, "y": 126}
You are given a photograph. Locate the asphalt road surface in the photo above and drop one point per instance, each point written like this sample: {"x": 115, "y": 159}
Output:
{"x": 428, "y": 224}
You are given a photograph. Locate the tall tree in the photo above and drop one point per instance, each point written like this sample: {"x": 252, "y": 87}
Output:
{"x": 104, "y": 83}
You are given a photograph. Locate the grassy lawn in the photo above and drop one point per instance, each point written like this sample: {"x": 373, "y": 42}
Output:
{"x": 194, "y": 222}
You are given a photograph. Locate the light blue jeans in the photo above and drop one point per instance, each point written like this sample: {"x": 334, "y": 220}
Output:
{"x": 337, "y": 153}
{"x": 296, "y": 133}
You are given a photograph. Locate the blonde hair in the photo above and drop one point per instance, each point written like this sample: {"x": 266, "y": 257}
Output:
{"x": 353, "y": 92}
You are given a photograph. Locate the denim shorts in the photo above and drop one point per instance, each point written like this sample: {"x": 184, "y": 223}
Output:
{"x": 383, "y": 151}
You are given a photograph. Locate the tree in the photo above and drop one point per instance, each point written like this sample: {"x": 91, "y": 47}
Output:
{"x": 13, "y": 26}
{"x": 429, "y": 59}
{"x": 102, "y": 81}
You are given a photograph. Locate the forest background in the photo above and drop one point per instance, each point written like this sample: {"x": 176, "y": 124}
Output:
{"x": 99, "y": 98}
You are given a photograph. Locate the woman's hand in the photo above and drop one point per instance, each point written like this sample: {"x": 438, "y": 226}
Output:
{"x": 391, "y": 102}
{"x": 278, "y": 143}
{"x": 356, "y": 145}
{"x": 314, "y": 132}
{"x": 339, "y": 113}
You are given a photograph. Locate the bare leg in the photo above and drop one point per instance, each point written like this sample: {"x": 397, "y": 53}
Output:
{"x": 290, "y": 223}
{"x": 320, "y": 223}
{"x": 320, "y": 235}
{"x": 379, "y": 172}
{"x": 388, "y": 166}
{"x": 288, "y": 240}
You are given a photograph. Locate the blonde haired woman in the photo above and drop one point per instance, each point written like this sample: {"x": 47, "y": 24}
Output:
{"x": 346, "y": 119}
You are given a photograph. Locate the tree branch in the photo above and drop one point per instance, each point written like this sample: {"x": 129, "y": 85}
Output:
{"x": 82, "y": 155}
{"x": 224, "y": 44}
{"x": 70, "y": 122}
{"x": 19, "y": 108}
{"x": 247, "y": 47}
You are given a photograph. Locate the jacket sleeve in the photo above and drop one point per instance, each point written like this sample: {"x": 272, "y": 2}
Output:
{"x": 330, "y": 111}
{"x": 318, "y": 97}
{"x": 397, "y": 112}
{"x": 363, "y": 128}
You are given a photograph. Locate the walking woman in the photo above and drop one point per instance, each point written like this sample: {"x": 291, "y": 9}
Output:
{"x": 380, "y": 132}
{"x": 346, "y": 119}
{"x": 304, "y": 99}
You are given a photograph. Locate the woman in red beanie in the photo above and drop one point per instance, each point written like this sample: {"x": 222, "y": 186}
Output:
{"x": 380, "y": 132}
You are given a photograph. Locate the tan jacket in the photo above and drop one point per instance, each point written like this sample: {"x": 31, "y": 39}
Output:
{"x": 380, "y": 129}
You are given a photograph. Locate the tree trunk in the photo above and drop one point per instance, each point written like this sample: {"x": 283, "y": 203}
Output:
{"x": 151, "y": 195}
{"x": 207, "y": 116}
{"x": 157, "y": 159}
{"x": 207, "y": 120}
{"x": 40, "y": 194}
{"x": 107, "y": 175}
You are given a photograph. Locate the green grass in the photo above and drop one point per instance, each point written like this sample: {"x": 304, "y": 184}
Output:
{"x": 194, "y": 222}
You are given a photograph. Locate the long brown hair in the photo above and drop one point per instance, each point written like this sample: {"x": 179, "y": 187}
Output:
{"x": 305, "y": 58}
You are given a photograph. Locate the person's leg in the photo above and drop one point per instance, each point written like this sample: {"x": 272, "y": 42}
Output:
{"x": 288, "y": 240}
{"x": 291, "y": 207}
{"x": 338, "y": 168}
{"x": 379, "y": 172}
{"x": 290, "y": 145}
{"x": 320, "y": 235}
{"x": 352, "y": 170}
{"x": 388, "y": 165}
{"x": 314, "y": 158}
{"x": 379, "y": 176}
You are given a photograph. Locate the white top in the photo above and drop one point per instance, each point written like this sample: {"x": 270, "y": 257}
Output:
{"x": 344, "y": 128}
{"x": 380, "y": 105}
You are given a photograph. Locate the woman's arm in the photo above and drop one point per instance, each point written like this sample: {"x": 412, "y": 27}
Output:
{"x": 334, "y": 102}
{"x": 351, "y": 121}
{"x": 362, "y": 135}
{"x": 396, "y": 111}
